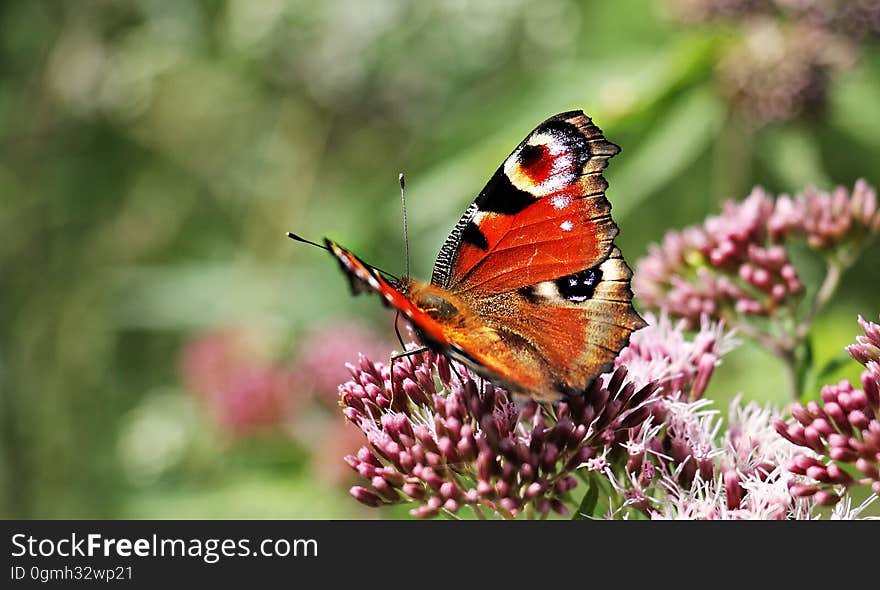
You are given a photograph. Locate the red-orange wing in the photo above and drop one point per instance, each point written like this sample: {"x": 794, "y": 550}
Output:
{"x": 364, "y": 278}
{"x": 543, "y": 215}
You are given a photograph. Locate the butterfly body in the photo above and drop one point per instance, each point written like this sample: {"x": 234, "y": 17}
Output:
{"x": 528, "y": 290}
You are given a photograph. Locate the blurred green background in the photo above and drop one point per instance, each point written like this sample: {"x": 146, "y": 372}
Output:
{"x": 154, "y": 152}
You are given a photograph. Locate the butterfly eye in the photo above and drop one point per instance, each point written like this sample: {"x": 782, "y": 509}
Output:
{"x": 436, "y": 306}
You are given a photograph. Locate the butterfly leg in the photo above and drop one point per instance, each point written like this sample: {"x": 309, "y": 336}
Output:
{"x": 406, "y": 353}
{"x": 457, "y": 374}
{"x": 403, "y": 344}
{"x": 409, "y": 353}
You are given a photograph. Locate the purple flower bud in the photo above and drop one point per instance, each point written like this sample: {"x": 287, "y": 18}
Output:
{"x": 444, "y": 372}
{"x": 365, "y": 496}
{"x": 551, "y": 455}
{"x": 533, "y": 490}
{"x": 813, "y": 438}
{"x": 803, "y": 490}
{"x": 818, "y": 473}
{"x": 733, "y": 489}
{"x": 867, "y": 468}
{"x": 412, "y": 390}
{"x": 510, "y": 505}
{"x": 838, "y": 475}
{"x": 858, "y": 419}
{"x": 826, "y": 498}
{"x": 414, "y": 491}
{"x": 843, "y": 454}
{"x": 485, "y": 489}
{"x": 822, "y": 426}
{"x": 559, "y": 507}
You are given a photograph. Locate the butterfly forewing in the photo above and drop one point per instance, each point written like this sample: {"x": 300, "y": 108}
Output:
{"x": 541, "y": 216}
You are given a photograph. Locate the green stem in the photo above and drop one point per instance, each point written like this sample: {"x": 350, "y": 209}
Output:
{"x": 792, "y": 372}
{"x": 823, "y": 296}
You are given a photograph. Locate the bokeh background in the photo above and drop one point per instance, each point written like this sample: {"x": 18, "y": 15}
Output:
{"x": 165, "y": 352}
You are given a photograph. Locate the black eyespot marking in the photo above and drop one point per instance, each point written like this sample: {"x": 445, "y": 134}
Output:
{"x": 569, "y": 135}
{"x": 580, "y": 286}
{"x": 500, "y": 196}
{"x": 530, "y": 155}
{"x": 473, "y": 236}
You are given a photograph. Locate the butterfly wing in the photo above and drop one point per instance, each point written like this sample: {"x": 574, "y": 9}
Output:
{"x": 363, "y": 278}
{"x": 533, "y": 258}
{"x": 542, "y": 215}
{"x": 529, "y": 289}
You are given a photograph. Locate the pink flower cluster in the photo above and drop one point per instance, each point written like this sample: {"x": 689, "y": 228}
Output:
{"x": 466, "y": 443}
{"x": 736, "y": 263}
{"x": 843, "y": 429}
{"x": 828, "y": 221}
{"x": 663, "y": 353}
{"x": 442, "y": 442}
{"x": 243, "y": 392}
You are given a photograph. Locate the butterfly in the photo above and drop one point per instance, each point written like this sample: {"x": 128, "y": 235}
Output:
{"x": 529, "y": 290}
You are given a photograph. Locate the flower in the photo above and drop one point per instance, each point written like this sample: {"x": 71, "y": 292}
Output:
{"x": 728, "y": 266}
{"x": 736, "y": 266}
{"x": 843, "y": 429}
{"x": 751, "y": 442}
{"x": 241, "y": 390}
{"x": 828, "y": 221}
{"x": 866, "y": 350}
{"x": 675, "y": 453}
{"x": 660, "y": 352}
{"x": 466, "y": 443}
{"x": 323, "y": 352}
{"x": 678, "y": 467}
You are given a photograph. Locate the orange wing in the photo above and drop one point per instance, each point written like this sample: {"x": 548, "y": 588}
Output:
{"x": 545, "y": 341}
{"x": 542, "y": 216}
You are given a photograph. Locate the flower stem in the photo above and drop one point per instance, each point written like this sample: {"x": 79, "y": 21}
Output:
{"x": 478, "y": 512}
{"x": 823, "y": 296}
{"x": 787, "y": 347}
{"x": 792, "y": 374}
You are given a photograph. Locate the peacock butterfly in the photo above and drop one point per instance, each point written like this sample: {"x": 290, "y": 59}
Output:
{"x": 528, "y": 290}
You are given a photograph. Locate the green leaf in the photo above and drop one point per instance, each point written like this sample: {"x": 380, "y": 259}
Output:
{"x": 588, "y": 503}
{"x": 833, "y": 365}
{"x": 804, "y": 369}
{"x": 793, "y": 154}
{"x": 853, "y": 107}
{"x": 816, "y": 377}
{"x": 683, "y": 134}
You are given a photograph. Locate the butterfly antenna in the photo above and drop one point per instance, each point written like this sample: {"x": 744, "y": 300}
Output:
{"x": 298, "y": 238}
{"x": 405, "y": 232}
